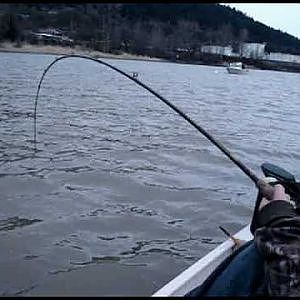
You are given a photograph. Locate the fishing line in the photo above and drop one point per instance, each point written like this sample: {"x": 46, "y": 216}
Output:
{"x": 265, "y": 188}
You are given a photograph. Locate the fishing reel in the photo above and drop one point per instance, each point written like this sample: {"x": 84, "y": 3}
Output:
{"x": 276, "y": 175}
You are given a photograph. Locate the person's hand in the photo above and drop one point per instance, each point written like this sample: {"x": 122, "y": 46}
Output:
{"x": 278, "y": 194}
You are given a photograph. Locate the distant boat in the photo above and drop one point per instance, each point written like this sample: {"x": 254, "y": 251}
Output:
{"x": 236, "y": 68}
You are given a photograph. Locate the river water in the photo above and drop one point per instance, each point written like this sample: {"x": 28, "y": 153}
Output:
{"x": 123, "y": 194}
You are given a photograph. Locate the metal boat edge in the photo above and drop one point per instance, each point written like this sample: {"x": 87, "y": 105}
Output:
{"x": 196, "y": 274}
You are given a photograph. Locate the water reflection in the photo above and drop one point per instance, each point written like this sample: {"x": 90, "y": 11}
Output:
{"x": 16, "y": 222}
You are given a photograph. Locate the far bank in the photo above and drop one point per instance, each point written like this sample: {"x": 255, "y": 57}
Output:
{"x": 208, "y": 60}
{"x": 59, "y": 50}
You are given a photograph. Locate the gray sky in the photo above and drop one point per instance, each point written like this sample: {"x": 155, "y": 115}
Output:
{"x": 283, "y": 16}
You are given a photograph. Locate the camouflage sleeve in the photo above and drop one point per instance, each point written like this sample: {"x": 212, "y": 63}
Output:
{"x": 279, "y": 244}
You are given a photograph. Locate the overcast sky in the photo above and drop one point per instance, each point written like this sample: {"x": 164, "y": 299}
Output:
{"x": 285, "y": 17}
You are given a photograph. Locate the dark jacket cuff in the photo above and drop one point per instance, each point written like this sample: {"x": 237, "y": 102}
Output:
{"x": 275, "y": 210}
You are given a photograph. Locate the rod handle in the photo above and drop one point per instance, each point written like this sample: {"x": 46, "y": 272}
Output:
{"x": 265, "y": 188}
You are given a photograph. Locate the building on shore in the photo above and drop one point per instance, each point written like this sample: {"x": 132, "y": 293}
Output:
{"x": 253, "y": 50}
{"x": 51, "y": 36}
{"x": 219, "y": 50}
{"x": 247, "y": 50}
{"x": 282, "y": 57}
{"x": 250, "y": 51}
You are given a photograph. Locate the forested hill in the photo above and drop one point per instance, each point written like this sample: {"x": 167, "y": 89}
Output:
{"x": 136, "y": 27}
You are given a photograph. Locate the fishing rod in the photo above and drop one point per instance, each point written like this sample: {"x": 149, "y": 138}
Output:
{"x": 265, "y": 188}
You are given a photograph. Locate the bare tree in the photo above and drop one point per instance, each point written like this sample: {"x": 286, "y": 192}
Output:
{"x": 156, "y": 39}
{"x": 243, "y": 35}
{"x": 226, "y": 35}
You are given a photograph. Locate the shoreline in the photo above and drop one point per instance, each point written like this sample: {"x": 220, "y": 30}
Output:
{"x": 7, "y": 47}
{"x": 26, "y": 48}
{"x": 59, "y": 50}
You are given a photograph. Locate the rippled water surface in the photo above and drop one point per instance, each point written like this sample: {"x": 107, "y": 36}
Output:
{"x": 123, "y": 194}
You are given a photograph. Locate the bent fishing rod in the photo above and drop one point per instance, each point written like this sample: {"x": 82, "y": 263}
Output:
{"x": 265, "y": 188}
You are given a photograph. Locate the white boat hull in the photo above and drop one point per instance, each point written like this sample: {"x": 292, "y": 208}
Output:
{"x": 232, "y": 70}
{"x": 196, "y": 274}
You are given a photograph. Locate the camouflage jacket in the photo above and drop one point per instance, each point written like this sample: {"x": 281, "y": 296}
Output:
{"x": 278, "y": 241}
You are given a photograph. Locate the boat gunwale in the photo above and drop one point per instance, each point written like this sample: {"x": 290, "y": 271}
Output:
{"x": 198, "y": 272}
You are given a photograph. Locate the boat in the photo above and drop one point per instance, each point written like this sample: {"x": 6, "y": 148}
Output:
{"x": 203, "y": 270}
{"x": 236, "y": 68}
{"x": 197, "y": 273}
